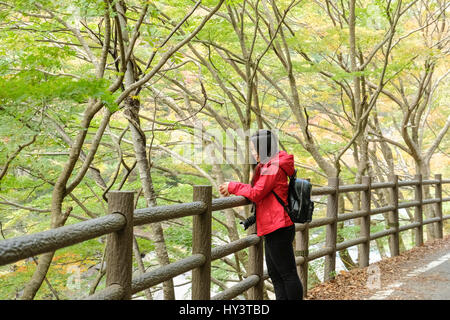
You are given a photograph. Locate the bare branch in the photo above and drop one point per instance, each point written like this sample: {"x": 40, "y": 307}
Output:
{"x": 14, "y": 155}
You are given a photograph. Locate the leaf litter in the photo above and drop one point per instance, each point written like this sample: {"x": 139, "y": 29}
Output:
{"x": 354, "y": 284}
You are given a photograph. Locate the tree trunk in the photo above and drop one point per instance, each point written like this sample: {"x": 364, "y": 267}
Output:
{"x": 139, "y": 145}
{"x": 429, "y": 212}
{"x": 132, "y": 108}
{"x": 60, "y": 191}
{"x": 343, "y": 254}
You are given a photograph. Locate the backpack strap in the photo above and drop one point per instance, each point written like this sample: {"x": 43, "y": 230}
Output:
{"x": 285, "y": 206}
{"x": 281, "y": 201}
{"x": 283, "y": 170}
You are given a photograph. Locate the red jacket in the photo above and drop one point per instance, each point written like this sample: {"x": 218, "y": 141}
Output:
{"x": 270, "y": 214}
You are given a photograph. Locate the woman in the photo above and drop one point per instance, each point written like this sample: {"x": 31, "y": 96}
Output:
{"x": 272, "y": 221}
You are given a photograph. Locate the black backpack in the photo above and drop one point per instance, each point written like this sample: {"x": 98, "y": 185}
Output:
{"x": 299, "y": 206}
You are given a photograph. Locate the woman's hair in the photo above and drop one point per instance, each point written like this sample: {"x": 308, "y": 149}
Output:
{"x": 265, "y": 143}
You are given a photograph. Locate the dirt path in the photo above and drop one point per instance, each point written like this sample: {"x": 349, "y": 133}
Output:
{"x": 420, "y": 273}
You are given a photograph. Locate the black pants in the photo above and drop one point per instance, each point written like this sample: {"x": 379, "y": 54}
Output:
{"x": 281, "y": 265}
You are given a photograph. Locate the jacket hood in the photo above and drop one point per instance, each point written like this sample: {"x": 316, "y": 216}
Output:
{"x": 283, "y": 160}
{"x": 287, "y": 162}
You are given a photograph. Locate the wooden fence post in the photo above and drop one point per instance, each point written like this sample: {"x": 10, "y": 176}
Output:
{"x": 331, "y": 229}
{"x": 364, "y": 252}
{"x": 395, "y": 238}
{"x": 256, "y": 266}
{"x": 201, "y": 243}
{"x": 418, "y": 214}
{"x": 302, "y": 249}
{"x": 438, "y": 195}
{"x": 119, "y": 245}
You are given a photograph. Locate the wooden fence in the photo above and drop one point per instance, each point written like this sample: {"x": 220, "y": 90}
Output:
{"x": 118, "y": 226}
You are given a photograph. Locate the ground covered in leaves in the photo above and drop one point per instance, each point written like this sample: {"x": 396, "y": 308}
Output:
{"x": 354, "y": 284}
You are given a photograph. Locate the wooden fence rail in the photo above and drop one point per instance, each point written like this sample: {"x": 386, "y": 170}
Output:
{"x": 118, "y": 226}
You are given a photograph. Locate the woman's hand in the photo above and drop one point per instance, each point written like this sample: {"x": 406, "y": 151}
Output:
{"x": 223, "y": 188}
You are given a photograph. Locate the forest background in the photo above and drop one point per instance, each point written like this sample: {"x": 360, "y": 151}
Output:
{"x": 100, "y": 95}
